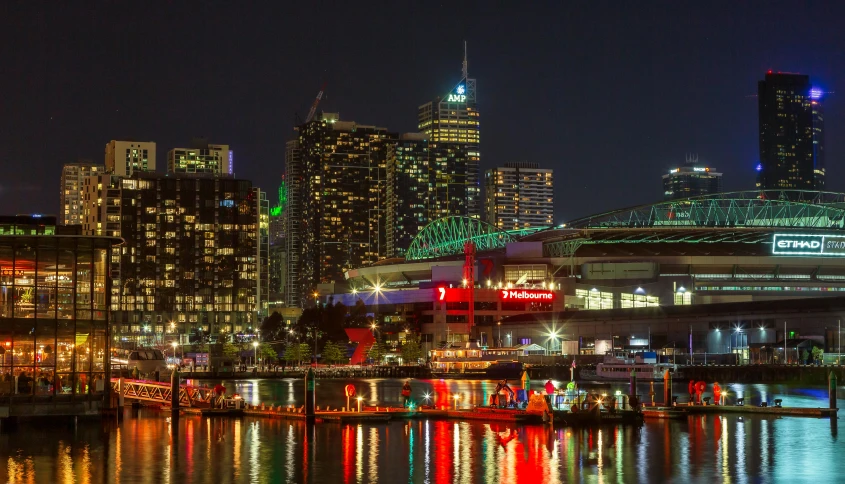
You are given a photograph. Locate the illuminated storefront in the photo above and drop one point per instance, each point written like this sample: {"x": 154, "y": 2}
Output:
{"x": 54, "y": 305}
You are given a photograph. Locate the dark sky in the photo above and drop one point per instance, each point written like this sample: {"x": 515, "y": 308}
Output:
{"x": 610, "y": 94}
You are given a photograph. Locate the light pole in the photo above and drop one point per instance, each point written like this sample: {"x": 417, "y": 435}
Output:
{"x": 174, "y": 345}
{"x": 500, "y": 333}
{"x": 255, "y": 353}
{"x": 378, "y": 293}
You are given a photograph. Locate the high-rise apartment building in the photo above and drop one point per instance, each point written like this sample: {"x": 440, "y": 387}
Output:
{"x": 340, "y": 179}
{"x": 127, "y": 157}
{"x": 791, "y": 133}
{"x": 70, "y": 191}
{"x": 294, "y": 224}
{"x": 194, "y": 257}
{"x": 408, "y": 191}
{"x": 692, "y": 179}
{"x": 453, "y": 120}
{"x": 519, "y": 196}
{"x": 201, "y": 158}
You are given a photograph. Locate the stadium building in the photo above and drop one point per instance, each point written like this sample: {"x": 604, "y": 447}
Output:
{"x": 739, "y": 272}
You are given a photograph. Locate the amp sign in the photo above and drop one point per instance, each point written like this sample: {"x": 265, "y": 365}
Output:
{"x": 809, "y": 245}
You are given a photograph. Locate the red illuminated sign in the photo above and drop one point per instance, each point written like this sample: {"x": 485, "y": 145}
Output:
{"x": 526, "y": 295}
{"x": 451, "y": 294}
{"x": 460, "y": 294}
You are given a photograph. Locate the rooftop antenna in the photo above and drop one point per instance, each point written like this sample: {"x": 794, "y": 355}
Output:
{"x": 464, "y": 71}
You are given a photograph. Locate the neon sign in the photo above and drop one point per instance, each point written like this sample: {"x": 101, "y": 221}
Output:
{"x": 459, "y": 96}
{"x": 526, "y": 295}
{"x": 811, "y": 245}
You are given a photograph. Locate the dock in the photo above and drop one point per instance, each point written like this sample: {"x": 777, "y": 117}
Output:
{"x": 682, "y": 411}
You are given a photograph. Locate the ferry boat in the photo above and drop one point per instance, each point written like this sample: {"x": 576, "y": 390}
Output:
{"x": 619, "y": 366}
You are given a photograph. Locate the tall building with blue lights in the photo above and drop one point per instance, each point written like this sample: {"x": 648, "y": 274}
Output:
{"x": 791, "y": 133}
{"x": 451, "y": 124}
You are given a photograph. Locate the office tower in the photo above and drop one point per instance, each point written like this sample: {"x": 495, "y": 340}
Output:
{"x": 519, "y": 196}
{"x": 453, "y": 121}
{"x": 201, "y": 158}
{"x": 294, "y": 224}
{"x": 192, "y": 254}
{"x": 70, "y": 192}
{"x": 127, "y": 157}
{"x": 791, "y": 133}
{"x": 340, "y": 180}
{"x": 691, "y": 179}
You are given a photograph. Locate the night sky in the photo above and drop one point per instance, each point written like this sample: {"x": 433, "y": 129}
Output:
{"x": 609, "y": 94}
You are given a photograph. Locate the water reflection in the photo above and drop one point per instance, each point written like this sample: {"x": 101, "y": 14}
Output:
{"x": 150, "y": 449}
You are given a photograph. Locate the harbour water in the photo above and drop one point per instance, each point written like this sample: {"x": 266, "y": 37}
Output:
{"x": 147, "y": 447}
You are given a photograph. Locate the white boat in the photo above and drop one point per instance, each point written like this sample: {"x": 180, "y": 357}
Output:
{"x": 619, "y": 367}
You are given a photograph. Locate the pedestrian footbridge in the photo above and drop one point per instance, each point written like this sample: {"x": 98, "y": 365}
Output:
{"x": 160, "y": 392}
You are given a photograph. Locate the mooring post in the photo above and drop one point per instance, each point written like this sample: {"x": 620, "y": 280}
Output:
{"x": 831, "y": 389}
{"x": 633, "y": 388}
{"x": 174, "y": 392}
{"x": 120, "y": 382}
{"x": 310, "y": 396}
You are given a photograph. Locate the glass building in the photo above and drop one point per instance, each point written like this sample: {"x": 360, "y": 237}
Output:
{"x": 692, "y": 179}
{"x": 54, "y": 309}
{"x": 791, "y": 133}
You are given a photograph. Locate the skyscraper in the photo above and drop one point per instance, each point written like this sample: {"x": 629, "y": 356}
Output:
{"x": 692, "y": 179}
{"x": 791, "y": 133}
{"x": 201, "y": 158}
{"x": 519, "y": 196}
{"x": 452, "y": 121}
{"x": 294, "y": 224}
{"x": 70, "y": 191}
{"x": 409, "y": 200}
{"x": 341, "y": 191}
{"x": 124, "y": 158}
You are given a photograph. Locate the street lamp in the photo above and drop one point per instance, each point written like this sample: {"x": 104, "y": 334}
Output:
{"x": 378, "y": 293}
{"x": 255, "y": 353}
{"x": 456, "y": 401}
{"x": 500, "y": 333}
{"x": 174, "y": 345}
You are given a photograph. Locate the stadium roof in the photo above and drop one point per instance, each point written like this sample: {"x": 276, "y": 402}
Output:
{"x": 746, "y": 217}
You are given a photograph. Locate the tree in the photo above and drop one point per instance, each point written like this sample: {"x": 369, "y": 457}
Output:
{"x": 818, "y": 353}
{"x": 333, "y": 353}
{"x": 304, "y": 352}
{"x": 293, "y": 353}
{"x": 805, "y": 355}
{"x": 266, "y": 352}
{"x": 273, "y": 327}
{"x": 231, "y": 350}
{"x": 411, "y": 350}
{"x": 377, "y": 352}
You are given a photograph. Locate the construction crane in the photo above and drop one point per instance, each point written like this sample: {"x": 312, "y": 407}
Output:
{"x": 314, "y": 106}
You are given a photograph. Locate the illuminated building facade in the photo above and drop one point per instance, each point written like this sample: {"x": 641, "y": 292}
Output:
{"x": 519, "y": 196}
{"x": 294, "y": 224}
{"x": 691, "y": 180}
{"x": 70, "y": 191}
{"x": 411, "y": 196}
{"x": 127, "y": 157}
{"x": 791, "y": 133}
{"x": 54, "y": 309}
{"x": 342, "y": 196}
{"x": 451, "y": 123}
{"x": 194, "y": 252}
{"x": 202, "y": 157}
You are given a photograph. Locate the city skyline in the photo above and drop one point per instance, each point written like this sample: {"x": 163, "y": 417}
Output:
{"x": 532, "y": 105}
